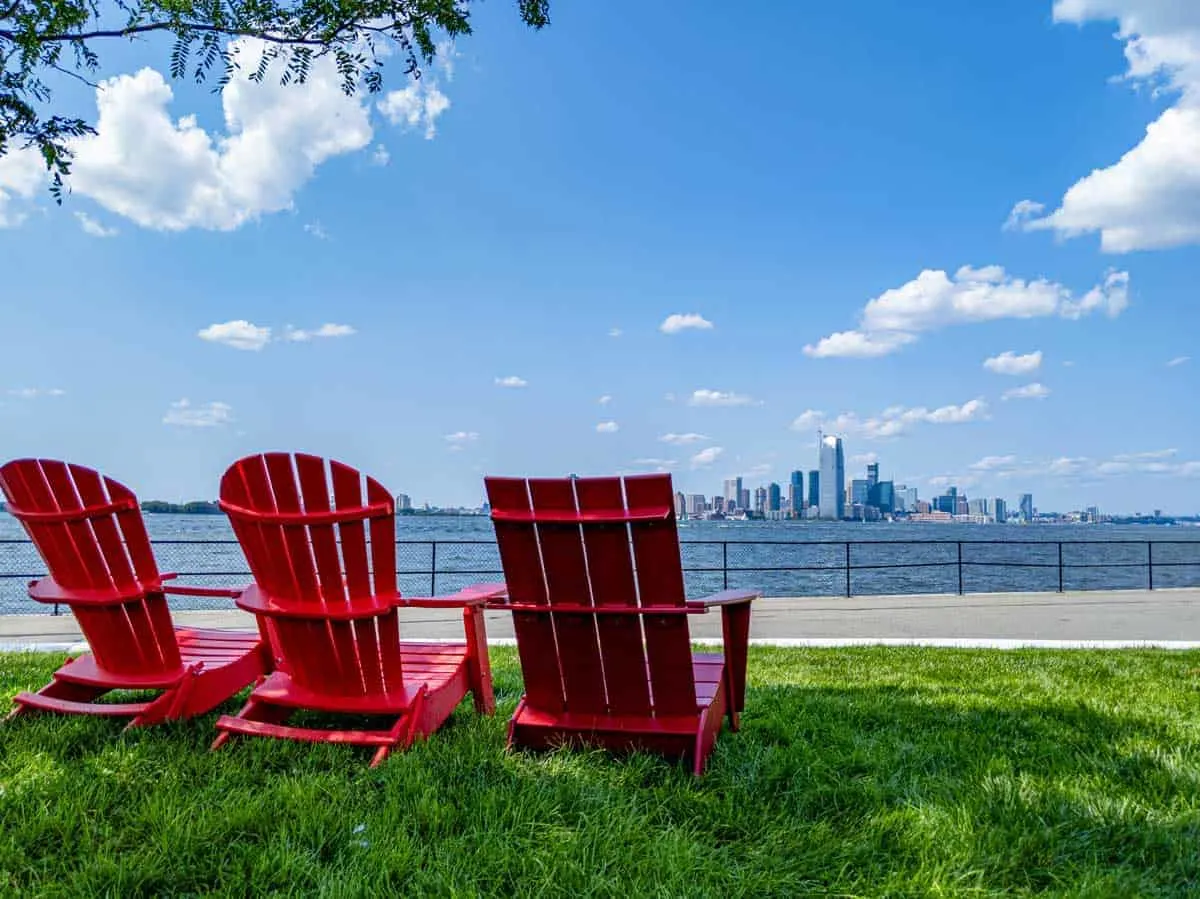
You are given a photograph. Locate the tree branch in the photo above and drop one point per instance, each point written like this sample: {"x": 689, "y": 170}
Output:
{"x": 74, "y": 75}
{"x": 167, "y": 26}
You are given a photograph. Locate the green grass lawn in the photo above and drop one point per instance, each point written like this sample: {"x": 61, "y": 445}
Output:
{"x": 890, "y": 771}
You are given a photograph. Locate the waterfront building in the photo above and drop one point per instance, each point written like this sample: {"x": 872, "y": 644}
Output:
{"x": 814, "y": 489}
{"x": 1026, "y": 507}
{"x": 796, "y": 494}
{"x": 774, "y": 498}
{"x": 833, "y": 478}
{"x": 680, "y": 504}
{"x": 403, "y": 502}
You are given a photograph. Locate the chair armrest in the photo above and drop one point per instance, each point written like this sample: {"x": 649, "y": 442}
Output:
{"x": 726, "y": 598}
{"x": 184, "y": 590}
{"x": 475, "y": 595}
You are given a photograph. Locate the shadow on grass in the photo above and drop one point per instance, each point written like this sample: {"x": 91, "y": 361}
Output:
{"x": 905, "y": 775}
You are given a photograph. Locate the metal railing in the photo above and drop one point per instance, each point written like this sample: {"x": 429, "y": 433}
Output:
{"x": 778, "y": 567}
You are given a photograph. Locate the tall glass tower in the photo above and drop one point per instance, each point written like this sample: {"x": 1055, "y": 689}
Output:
{"x": 833, "y": 478}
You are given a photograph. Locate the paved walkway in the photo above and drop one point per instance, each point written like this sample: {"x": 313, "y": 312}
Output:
{"x": 1163, "y": 617}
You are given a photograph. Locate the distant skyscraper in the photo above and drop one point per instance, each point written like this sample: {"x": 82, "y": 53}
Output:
{"x": 999, "y": 510}
{"x": 403, "y": 502}
{"x": 796, "y": 496}
{"x": 774, "y": 498}
{"x": 760, "y": 499}
{"x": 1027, "y": 507}
{"x": 743, "y": 497}
{"x": 696, "y": 504}
{"x": 872, "y": 474}
{"x": 833, "y": 478}
{"x": 718, "y": 504}
{"x": 859, "y": 490}
{"x": 731, "y": 492}
{"x": 885, "y": 492}
{"x": 814, "y": 489}
{"x": 680, "y": 504}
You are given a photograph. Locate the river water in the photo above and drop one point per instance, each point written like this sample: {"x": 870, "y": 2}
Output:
{"x": 895, "y": 558}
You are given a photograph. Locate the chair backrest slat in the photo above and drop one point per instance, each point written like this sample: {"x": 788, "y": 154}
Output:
{"x": 659, "y": 568}
{"x": 304, "y": 558}
{"x": 602, "y": 542}
{"x": 91, "y": 535}
{"x": 610, "y": 566}
{"x": 565, "y": 566}
{"x": 522, "y": 562}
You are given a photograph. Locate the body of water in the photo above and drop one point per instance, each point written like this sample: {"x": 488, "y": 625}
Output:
{"x": 781, "y": 558}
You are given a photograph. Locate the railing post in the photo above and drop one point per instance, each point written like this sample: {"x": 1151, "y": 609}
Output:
{"x": 725, "y": 564}
{"x": 1150, "y": 562}
{"x": 960, "y": 571}
{"x": 847, "y": 569}
{"x": 433, "y": 568}
{"x": 1060, "y": 567}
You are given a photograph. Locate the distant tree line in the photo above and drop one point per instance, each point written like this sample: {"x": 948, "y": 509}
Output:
{"x": 196, "y": 507}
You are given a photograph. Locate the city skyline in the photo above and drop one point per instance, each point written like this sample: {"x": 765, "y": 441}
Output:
{"x": 978, "y": 265}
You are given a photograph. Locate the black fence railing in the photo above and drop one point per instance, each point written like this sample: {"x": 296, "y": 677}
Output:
{"x": 777, "y": 567}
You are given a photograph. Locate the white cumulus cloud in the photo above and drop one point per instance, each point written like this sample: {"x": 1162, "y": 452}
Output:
{"x": 934, "y": 300}
{"x": 1150, "y": 197}
{"x": 173, "y": 175}
{"x": 203, "y": 415}
{"x": 1033, "y": 391}
{"x": 22, "y": 176}
{"x": 607, "y": 427}
{"x": 416, "y": 106}
{"x": 684, "y": 321}
{"x": 707, "y": 457}
{"x": 239, "y": 334}
{"x": 705, "y": 397}
{"x": 893, "y": 421}
{"x": 1009, "y": 363}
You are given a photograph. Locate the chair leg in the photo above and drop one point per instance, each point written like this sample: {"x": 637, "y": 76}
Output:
{"x": 479, "y": 668}
{"x": 735, "y": 634}
{"x": 254, "y": 710}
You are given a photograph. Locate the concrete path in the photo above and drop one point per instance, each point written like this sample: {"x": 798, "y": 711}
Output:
{"x": 1168, "y": 618}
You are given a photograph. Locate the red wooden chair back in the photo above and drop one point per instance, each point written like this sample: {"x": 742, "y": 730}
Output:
{"x": 90, "y": 533}
{"x": 324, "y": 564}
{"x": 598, "y": 542}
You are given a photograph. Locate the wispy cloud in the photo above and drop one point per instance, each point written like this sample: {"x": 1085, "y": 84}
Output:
{"x": 685, "y": 321}
{"x": 707, "y": 457}
{"x": 720, "y": 398}
{"x": 604, "y": 400}
{"x": 380, "y": 155}
{"x": 891, "y": 422}
{"x": 683, "y": 439}
{"x": 244, "y": 335}
{"x": 607, "y": 427}
{"x": 1179, "y": 360}
{"x": 93, "y": 227}
{"x": 316, "y": 230}
{"x": 29, "y": 393}
{"x": 615, "y": 332}
{"x": 511, "y": 381}
{"x": 202, "y": 415}
{"x": 1033, "y": 391}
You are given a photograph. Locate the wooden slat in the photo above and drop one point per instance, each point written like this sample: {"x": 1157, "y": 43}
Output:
{"x": 282, "y": 476}
{"x": 383, "y": 577}
{"x": 314, "y": 488}
{"x": 361, "y": 638}
{"x": 521, "y": 560}
{"x": 660, "y": 582}
{"x": 610, "y": 566}
{"x": 565, "y": 566}
{"x": 148, "y": 616}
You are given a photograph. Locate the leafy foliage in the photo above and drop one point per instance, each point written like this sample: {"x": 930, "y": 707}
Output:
{"x": 38, "y": 37}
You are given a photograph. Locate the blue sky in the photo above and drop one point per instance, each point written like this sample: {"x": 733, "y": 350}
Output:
{"x": 368, "y": 272}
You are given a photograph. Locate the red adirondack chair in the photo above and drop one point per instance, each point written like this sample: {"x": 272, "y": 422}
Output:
{"x": 595, "y": 585}
{"x": 90, "y": 533}
{"x": 326, "y": 580}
